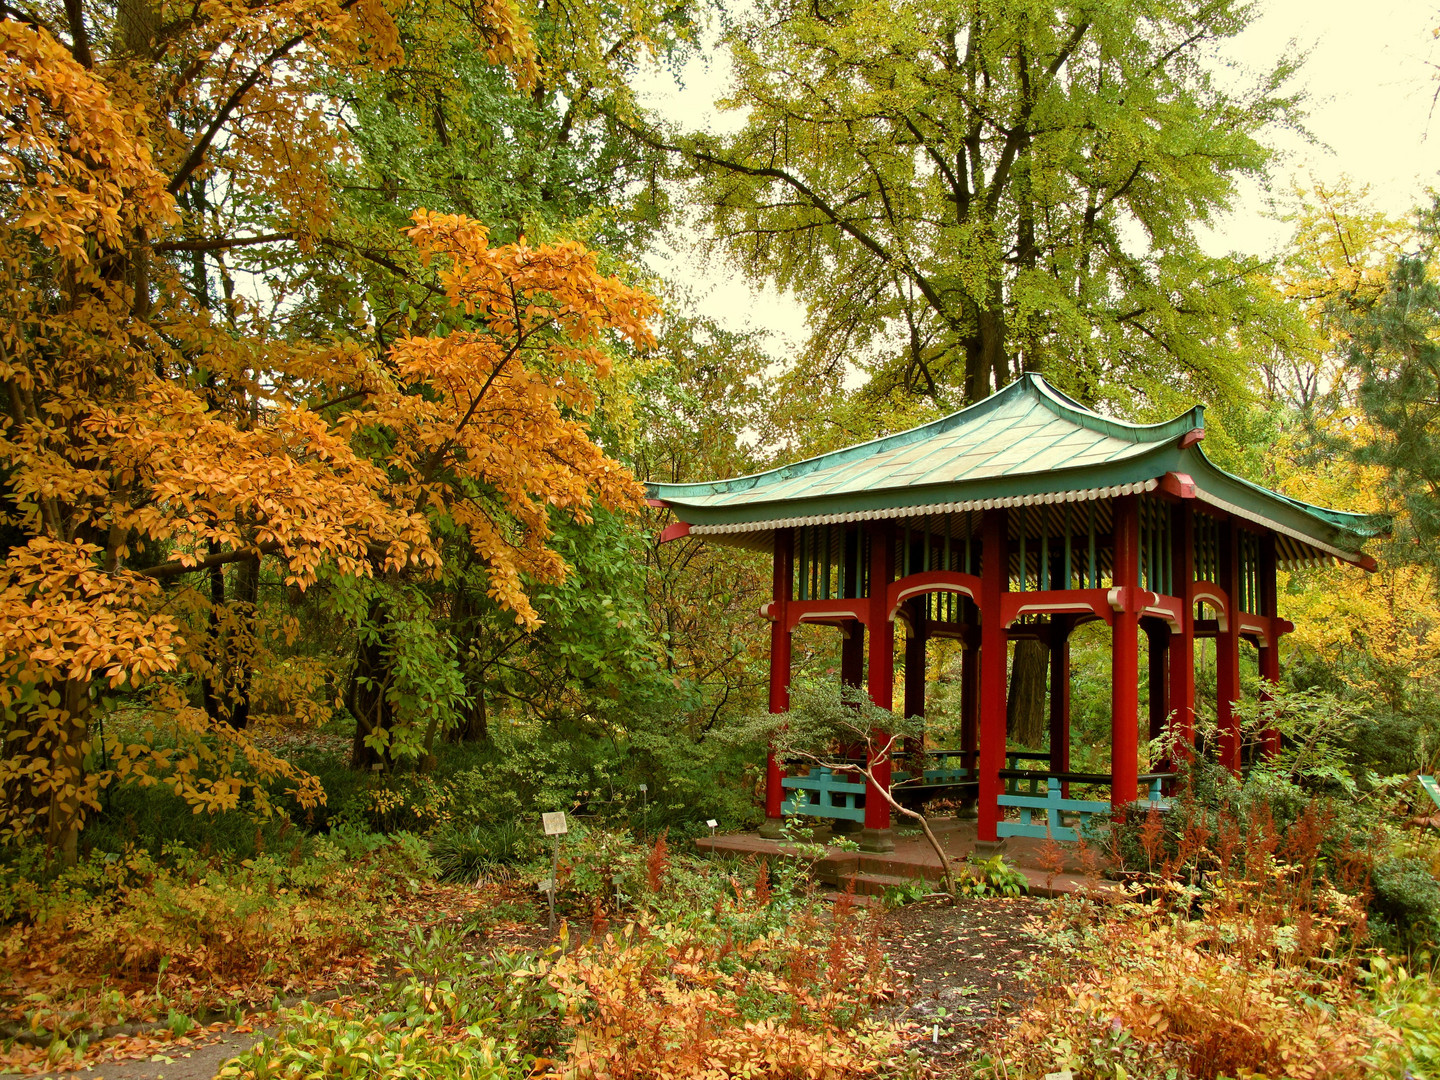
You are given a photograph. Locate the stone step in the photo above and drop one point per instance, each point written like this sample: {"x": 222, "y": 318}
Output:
{"x": 908, "y": 868}
{"x": 869, "y": 884}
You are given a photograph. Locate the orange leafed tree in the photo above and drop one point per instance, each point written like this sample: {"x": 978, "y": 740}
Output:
{"x": 504, "y": 401}
{"x": 155, "y": 434}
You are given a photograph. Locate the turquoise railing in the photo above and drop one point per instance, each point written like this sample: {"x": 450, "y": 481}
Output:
{"x": 828, "y": 794}
{"x": 947, "y": 770}
{"x": 1053, "y": 804}
{"x": 840, "y": 795}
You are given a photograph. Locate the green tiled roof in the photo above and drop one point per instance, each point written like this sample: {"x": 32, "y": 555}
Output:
{"x": 1027, "y": 443}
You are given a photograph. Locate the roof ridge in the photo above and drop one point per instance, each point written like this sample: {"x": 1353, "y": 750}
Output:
{"x": 1056, "y": 402}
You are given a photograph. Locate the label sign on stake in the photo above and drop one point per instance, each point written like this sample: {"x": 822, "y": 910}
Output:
{"x": 555, "y": 827}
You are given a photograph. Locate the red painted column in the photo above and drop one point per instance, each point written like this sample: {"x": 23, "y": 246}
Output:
{"x": 1060, "y": 626}
{"x": 881, "y": 681}
{"x": 852, "y": 654}
{"x": 994, "y": 577}
{"x": 779, "y": 659}
{"x": 1270, "y": 608}
{"x": 1182, "y": 647}
{"x": 1125, "y": 658}
{"x": 970, "y": 701}
{"x": 1227, "y": 650}
{"x": 970, "y": 709}
{"x": 915, "y": 659}
{"x": 1157, "y": 675}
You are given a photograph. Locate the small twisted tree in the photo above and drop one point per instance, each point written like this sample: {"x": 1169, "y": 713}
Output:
{"x": 824, "y": 726}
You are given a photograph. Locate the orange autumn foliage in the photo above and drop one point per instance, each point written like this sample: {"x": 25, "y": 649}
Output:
{"x": 504, "y": 400}
{"x": 147, "y": 432}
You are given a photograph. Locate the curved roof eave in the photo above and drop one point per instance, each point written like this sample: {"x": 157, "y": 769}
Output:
{"x": 1338, "y": 532}
{"x": 1155, "y": 462}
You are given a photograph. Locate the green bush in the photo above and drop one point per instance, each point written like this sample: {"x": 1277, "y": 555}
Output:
{"x": 343, "y": 1041}
{"x": 152, "y": 817}
{"x": 457, "y": 1016}
{"x": 468, "y": 853}
{"x": 1406, "y": 903}
{"x": 273, "y": 916}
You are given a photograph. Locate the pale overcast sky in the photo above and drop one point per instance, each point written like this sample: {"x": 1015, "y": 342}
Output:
{"x": 1371, "y": 80}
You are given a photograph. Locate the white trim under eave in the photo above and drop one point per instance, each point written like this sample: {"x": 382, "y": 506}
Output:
{"x": 930, "y": 510}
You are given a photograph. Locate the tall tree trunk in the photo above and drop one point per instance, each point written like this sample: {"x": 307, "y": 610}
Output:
{"x": 475, "y": 727}
{"x": 247, "y": 597}
{"x": 365, "y": 695}
{"x": 67, "y": 762}
{"x": 1025, "y": 721}
{"x": 212, "y": 683}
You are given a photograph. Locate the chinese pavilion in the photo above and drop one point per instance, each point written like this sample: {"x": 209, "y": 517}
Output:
{"x": 1024, "y": 515}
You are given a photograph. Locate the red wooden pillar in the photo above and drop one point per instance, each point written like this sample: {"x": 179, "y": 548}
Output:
{"x": 852, "y": 654}
{"x": 1270, "y": 649}
{"x": 881, "y": 681}
{"x": 1060, "y": 626}
{"x": 970, "y": 702}
{"x": 915, "y": 659}
{"x": 1125, "y": 657}
{"x": 779, "y": 664}
{"x": 1157, "y": 676}
{"x": 1182, "y": 648}
{"x": 1227, "y": 649}
{"x": 994, "y": 577}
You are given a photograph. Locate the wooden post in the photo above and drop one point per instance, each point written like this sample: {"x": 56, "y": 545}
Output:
{"x": 1182, "y": 649}
{"x": 852, "y": 654}
{"x": 881, "y": 681}
{"x": 779, "y": 668}
{"x": 1269, "y": 653}
{"x": 915, "y": 658}
{"x": 1060, "y": 626}
{"x": 1157, "y": 636}
{"x": 994, "y": 575}
{"x": 1227, "y": 649}
{"x": 970, "y": 709}
{"x": 1125, "y": 658}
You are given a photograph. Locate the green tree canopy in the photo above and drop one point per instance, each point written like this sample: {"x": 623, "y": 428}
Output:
{"x": 961, "y": 191}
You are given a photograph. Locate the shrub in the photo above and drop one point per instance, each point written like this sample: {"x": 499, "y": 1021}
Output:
{"x": 470, "y": 853}
{"x": 1229, "y": 994}
{"x": 185, "y": 924}
{"x": 643, "y": 1004}
{"x": 456, "y": 1016}
{"x": 1406, "y": 899}
{"x": 992, "y": 877}
{"x": 342, "y": 1040}
{"x": 151, "y": 817}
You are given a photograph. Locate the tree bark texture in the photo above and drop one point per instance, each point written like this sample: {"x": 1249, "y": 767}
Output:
{"x": 365, "y": 696}
{"x": 1025, "y": 713}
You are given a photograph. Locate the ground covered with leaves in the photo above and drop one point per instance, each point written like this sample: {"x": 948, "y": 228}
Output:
{"x": 349, "y": 958}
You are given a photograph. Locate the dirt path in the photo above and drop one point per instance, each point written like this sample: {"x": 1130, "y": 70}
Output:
{"x": 965, "y": 970}
{"x": 183, "y": 1059}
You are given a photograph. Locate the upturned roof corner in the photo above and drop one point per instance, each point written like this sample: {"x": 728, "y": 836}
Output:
{"x": 1026, "y": 444}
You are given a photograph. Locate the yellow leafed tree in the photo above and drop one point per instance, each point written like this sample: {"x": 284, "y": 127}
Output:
{"x": 154, "y": 433}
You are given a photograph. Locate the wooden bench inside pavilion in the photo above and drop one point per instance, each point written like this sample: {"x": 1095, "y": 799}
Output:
{"x": 1024, "y": 515}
